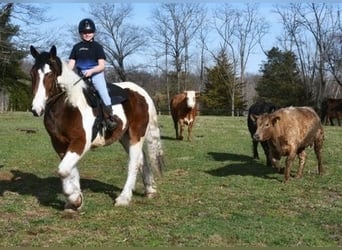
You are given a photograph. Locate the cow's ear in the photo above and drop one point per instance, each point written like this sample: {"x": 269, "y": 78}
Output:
{"x": 197, "y": 94}
{"x": 254, "y": 117}
{"x": 275, "y": 119}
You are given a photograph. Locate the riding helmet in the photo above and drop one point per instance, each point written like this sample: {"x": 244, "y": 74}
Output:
{"x": 86, "y": 25}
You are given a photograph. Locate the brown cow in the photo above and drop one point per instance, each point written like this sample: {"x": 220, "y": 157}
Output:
{"x": 289, "y": 131}
{"x": 183, "y": 111}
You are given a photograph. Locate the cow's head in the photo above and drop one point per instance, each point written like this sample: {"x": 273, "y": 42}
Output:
{"x": 265, "y": 126}
{"x": 191, "y": 96}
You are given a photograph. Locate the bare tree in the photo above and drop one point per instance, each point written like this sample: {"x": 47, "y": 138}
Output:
{"x": 179, "y": 23}
{"x": 334, "y": 47}
{"x": 202, "y": 43}
{"x": 119, "y": 38}
{"x": 312, "y": 30}
{"x": 161, "y": 37}
{"x": 31, "y": 18}
{"x": 194, "y": 16}
{"x": 241, "y": 30}
{"x": 28, "y": 18}
{"x": 295, "y": 40}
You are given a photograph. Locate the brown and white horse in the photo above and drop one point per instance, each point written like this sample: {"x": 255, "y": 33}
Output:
{"x": 59, "y": 94}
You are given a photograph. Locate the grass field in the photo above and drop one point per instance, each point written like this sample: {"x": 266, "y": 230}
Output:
{"x": 212, "y": 193}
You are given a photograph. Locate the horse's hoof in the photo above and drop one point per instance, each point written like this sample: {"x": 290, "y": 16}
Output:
{"x": 74, "y": 203}
{"x": 151, "y": 195}
{"x": 121, "y": 202}
{"x": 150, "y": 192}
{"x": 70, "y": 210}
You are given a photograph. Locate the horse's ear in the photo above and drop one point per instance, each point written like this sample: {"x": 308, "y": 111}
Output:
{"x": 53, "y": 51}
{"x": 34, "y": 52}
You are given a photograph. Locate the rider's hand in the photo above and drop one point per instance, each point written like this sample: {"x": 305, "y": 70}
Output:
{"x": 88, "y": 73}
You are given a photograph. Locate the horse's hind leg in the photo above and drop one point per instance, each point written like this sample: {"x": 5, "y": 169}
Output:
{"x": 147, "y": 175}
{"x": 134, "y": 163}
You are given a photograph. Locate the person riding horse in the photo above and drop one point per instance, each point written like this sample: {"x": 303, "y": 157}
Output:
{"x": 89, "y": 58}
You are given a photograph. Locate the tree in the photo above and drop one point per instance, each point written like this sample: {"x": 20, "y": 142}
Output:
{"x": 241, "y": 30}
{"x": 18, "y": 28}
{"x": 220, "y": 92}
{"x": 175, "y": 25}
{"x": 12, "y": 78}
{"x": 312, "y": 30}
{"x": 280, "y": 82}
{"x": 118, "y": 38}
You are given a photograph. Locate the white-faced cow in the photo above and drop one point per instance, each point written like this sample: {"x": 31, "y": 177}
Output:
{"x": 288, "y": 132}
{"x": 259, "y": 108}
{"x": 183, "y": 111}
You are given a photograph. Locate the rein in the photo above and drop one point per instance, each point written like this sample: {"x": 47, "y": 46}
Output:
{"x": 81, "y": 78}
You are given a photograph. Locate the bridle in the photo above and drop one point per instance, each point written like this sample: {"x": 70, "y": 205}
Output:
{"x": 59, "y": 91}
{"x": 56, "y": 91}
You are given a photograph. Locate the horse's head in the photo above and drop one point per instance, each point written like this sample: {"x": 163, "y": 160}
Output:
{"x": 47, "y": 67}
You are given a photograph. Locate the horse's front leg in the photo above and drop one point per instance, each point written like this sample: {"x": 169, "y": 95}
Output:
{"x": 70, "y": 177}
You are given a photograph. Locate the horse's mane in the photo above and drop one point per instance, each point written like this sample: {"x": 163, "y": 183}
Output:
{"x": 73, "y": 84}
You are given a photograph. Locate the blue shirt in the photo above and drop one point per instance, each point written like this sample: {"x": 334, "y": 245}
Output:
{"x": 87, "y": 54}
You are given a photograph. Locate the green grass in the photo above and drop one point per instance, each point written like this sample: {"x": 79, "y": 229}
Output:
{"x": 212, "y": 193}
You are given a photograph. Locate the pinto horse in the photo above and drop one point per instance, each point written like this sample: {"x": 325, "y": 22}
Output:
{"x": 60, "y": 94}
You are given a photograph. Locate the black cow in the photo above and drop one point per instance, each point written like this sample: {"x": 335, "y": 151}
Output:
{"x": 259, "y": 108}
{"x": 331, "y": 108}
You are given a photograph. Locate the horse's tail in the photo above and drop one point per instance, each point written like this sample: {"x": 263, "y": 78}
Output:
{"x": 154, "y": 145}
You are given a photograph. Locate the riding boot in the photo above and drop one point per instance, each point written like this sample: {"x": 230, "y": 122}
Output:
{"x": 109, "y": 118}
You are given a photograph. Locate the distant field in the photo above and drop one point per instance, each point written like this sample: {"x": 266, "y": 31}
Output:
{"x": 212, "y": 193}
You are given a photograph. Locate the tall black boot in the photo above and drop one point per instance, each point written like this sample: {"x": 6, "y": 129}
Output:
{"x": 109, "y": 118}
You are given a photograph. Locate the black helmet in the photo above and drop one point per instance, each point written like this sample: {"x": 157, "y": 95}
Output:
{"x": 86, "y": 25}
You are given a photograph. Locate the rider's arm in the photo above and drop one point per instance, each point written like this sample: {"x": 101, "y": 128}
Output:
{"x": 71, "y": 63}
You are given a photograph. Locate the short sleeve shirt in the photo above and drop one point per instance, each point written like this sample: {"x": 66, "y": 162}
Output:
{"x": 87, "y": 54}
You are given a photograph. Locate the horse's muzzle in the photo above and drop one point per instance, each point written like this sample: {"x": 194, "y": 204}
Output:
{"x": 34, "y": 112}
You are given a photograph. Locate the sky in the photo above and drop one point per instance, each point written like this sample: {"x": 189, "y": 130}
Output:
{"x": 68, "y": 14}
